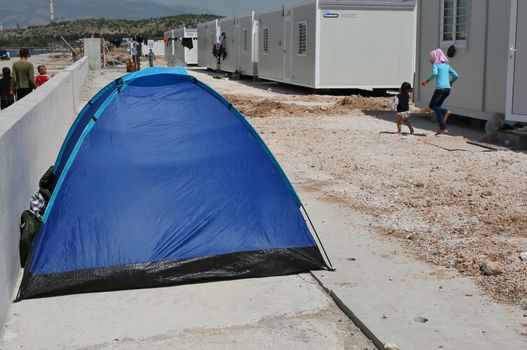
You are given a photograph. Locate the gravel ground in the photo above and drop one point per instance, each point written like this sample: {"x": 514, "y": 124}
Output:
{"x": 452, "y": 205}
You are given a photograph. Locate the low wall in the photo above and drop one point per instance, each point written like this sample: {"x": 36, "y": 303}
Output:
{"x": 79, "y": 70}
{"x": 31, "y": 134}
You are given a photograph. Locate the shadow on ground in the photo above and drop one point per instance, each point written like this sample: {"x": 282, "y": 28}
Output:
{"x": 458, "y": 126}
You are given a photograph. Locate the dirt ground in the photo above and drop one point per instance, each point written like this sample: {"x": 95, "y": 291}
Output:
{"x": 451, "y": 203}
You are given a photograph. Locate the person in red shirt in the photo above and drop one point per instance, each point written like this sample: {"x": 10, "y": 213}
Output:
{"x": 42, "y": 76}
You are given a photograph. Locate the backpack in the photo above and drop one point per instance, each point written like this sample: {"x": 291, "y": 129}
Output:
{"x": 29, "y": 226}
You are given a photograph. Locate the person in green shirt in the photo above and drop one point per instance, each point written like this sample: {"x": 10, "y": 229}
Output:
{"x": 24, "y": 75}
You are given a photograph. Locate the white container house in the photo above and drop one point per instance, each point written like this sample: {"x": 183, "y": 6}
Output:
{"x": 228, "y": 27}
{"x": 157, "y": 46}
{"x": 241, "y": 38}
{"x": 330, "y": 44}
{"x": 208, "y": 35}
{"x": 247, "y": 44}
{"x": 490, "y": 38}
{"x": 170, "y": 48}
{"x": 184, "y": 55}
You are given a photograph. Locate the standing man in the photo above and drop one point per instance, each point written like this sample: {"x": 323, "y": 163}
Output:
{"x": 151, "y": 58}
{"x": 24, "y": 75}
{"x": 139, "y": 53}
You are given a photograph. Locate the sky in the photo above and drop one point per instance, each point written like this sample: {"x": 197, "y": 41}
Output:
{"x": 230, "y": 7}
{"x": 36, "y": 12}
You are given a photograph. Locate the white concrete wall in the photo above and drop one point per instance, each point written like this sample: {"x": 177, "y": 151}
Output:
{"x": 92, "y": 49}
{"x": 79, "y": 70}
{"x": 31, "y": 133}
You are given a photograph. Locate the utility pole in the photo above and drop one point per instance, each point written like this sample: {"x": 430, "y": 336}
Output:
{"x": 51, "y": 11}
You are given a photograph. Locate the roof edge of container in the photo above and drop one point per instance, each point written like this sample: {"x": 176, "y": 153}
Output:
{"x": 367, "y": 4}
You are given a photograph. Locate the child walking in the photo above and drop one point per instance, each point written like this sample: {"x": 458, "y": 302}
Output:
{"x": 441, "y": 72}
{"x": 7, "y": 88}
{"x": 403, "y": 107}
{"x": 42, "y": 76}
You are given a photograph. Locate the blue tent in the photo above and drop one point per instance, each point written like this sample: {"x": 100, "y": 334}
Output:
{"x": 161, "y": 181}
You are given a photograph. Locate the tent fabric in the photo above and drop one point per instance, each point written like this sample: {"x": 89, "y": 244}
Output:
{"x": 161, "y": 182}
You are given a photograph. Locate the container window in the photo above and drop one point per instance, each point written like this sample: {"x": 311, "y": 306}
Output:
{"x": 454, "y": 22}
{"x": 266, "y": 40}
{"x": 302, "y": 38}
{"x": 245, "y": 40}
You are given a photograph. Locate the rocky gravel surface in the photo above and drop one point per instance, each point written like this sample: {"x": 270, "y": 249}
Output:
{"x": 461, "y": 209}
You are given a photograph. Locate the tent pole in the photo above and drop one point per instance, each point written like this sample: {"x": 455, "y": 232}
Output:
{"x": 331, "y": 268}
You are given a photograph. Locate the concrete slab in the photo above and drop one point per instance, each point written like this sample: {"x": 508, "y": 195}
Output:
{"x": 403, "y": 300}
{"x": 290, "y": 312}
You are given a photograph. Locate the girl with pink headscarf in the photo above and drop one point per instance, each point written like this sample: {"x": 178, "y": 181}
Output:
{"x": 445, "y": 76}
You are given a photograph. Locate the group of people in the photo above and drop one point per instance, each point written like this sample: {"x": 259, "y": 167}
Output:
{"x": 16, "y": 84}
{"x": 136, "y": 52}
{"x": 445, "y": 76}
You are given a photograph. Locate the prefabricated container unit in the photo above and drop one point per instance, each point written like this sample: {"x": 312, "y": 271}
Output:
{"x": 490, "y": 41}
{"x": 247, "y": 44}
{"x": 326, "y": 44}
{"x": 227, "y": 27}
{"x": 157, "y": 46}
{"x": 170, "y": 48}
{"x": 208, "y": 35}
{"x": 184, "y": 55}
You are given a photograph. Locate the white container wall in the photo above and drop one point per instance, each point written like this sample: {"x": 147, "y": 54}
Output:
{"x": 333, "y": 44}
{"x": 185, "y": 56}
{"x": 491, "y": 56}
{"x": 170, "y": 48}
{"x": 208, "y": 35}
{"x": 157, "y": 46}
{"x": 228, "y": 28}
{"x": 31, "y": 134}
{"x": 247, "y": 45}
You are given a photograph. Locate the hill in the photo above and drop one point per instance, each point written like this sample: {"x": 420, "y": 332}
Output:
{"x": 43, "y": 36}
{"x": 31, "y": 12}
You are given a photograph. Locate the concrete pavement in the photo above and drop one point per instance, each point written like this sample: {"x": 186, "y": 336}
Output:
{"x": 405, "y": 301}
{"x": 290, "y": 312}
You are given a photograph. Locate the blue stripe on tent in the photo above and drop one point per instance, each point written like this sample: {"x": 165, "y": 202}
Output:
{"x": 66, "y": 168}
{"x": 74, "y": 153}
{"x": 78, "y": 127}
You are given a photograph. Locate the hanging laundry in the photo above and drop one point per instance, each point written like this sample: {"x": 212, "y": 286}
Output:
{"x": 223, "y": 46}
{"x": 187, "y": 42}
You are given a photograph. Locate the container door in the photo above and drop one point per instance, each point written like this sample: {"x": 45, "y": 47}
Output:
{"x": 238, "y": 44}
{"x": 517, "y": 77}
{"x": 173, "y": 44}
{"x": 288, "y": 49}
